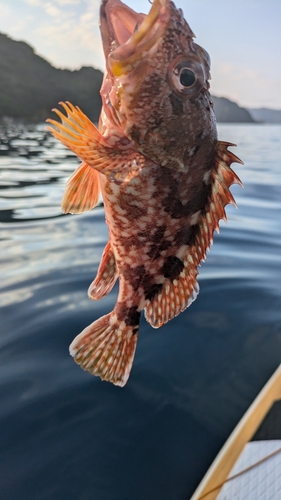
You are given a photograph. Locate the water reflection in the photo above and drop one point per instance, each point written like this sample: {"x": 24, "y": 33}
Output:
{"x": 34, "y": 169}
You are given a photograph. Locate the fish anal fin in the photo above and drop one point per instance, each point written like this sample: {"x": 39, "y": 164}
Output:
{"x": 106, "y": 275}
{"x": 106, "y": 348}
{"x": 120, "y": 163}
{"x": 82, "y": 190}
{"x": 174, "y": 297}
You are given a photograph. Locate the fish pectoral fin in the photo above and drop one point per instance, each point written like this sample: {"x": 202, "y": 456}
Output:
{"x": 106, "y": 276}
{"x": 106, "y": 348}
{"x": 82, "y": 190}
{"x": 174, "y": 297}
{"x": 81, "y": 136}
{"x": 76, "y": 131}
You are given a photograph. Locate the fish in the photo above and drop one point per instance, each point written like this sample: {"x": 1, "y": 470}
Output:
{"x": 163, "y": 175}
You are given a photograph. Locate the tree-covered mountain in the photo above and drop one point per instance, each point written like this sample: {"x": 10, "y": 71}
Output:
{"x": 30, "y": 87}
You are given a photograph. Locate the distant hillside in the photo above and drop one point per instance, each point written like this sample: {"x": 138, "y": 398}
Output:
{"x": 30, "y": 87}
{"x": 266, "y": 115}
{"x": 229, "y": 111}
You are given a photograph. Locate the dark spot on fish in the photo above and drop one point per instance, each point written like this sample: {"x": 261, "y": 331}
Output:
{"x": 172, "y": 267}
{"x": 134, "y": 275}
{"x": 134, "y": 134}
{"x": 177, "y": 210}
{"x": 176, "y": 104}
{"x": 154, "y": 253}
{"x": 120, "y": 310}
{"x": 200, "y": 135}
{"x": 130, "y": 315}
{"x": 158, "y": 244}
{"x": 153, "y": 291}
{"x": 147, "y": 283}
{"x": 199, "y": 200}
{"x": 133, "y": 316}
{"x": 165, "y": 244}
{"x": 138, "y": 277}
{"x": 156, "y": 250}
{"x": 186, "y": 235}
{"x": 159, "y": 233}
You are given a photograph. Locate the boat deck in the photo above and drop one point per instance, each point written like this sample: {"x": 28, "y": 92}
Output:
{"x": 249, "y": 465}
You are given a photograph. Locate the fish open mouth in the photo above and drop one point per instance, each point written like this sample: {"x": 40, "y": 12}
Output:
{"x": 128, "y": 36}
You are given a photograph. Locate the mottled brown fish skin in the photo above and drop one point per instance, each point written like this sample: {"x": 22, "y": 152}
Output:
{"x": 163, "y": 175}
{"x": 151, "y": 222}
{"x": 173, "y": 129}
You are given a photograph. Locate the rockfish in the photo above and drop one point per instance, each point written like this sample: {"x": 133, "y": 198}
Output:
{"x": 163, "y": 175}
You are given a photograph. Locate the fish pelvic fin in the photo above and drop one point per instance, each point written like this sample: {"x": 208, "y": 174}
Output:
{"x": 82, "y": 190}
{"x": 106, "y": 348}
{"x": 178, "y": 294}
{"x": 82, "y": 137}
{"x": 106, "y": 276}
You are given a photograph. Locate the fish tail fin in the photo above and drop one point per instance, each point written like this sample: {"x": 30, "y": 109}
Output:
{"x": 106, "y": 348}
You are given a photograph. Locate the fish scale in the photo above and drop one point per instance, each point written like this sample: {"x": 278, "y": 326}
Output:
{"x": 163, "y": 175}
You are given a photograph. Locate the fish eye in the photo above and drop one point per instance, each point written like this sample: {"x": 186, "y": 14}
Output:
{"x": 187, "y": 76}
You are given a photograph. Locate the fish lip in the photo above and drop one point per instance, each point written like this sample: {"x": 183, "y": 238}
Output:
{"x": 106, "y": 25}
{"x": 123, "y": 53}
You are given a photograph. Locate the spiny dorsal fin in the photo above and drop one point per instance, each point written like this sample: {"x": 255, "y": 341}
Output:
{"x": 177, "y": 295}
{"x": 81, "y": 136}
{"x": 82, "y": 190}
{"x": 106, "y": 276}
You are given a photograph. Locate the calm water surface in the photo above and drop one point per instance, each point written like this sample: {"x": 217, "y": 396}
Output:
{"x": 65, "y": 434}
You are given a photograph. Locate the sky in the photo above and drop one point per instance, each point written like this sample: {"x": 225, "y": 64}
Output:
{"x": 243, "y": 38}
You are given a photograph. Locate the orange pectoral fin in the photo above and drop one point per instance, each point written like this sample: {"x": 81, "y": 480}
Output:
{"x": 82, "y": 190}
{"x": 81, "y": 136}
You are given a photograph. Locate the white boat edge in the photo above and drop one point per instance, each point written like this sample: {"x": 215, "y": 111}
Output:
{"x": 218, "y": 472}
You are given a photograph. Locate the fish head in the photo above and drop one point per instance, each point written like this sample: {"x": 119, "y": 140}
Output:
{"x": 156, "y": 86}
